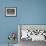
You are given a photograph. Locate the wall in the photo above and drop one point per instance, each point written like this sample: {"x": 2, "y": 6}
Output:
{"x": 28, "y": 12}
{"x": 33, "y": 12}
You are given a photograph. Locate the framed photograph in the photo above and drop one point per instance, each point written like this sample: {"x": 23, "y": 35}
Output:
{"x": 10, "y": 11}
{"x": 33, "y": 32}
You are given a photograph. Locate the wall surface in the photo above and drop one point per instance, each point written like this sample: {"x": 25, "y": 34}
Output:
{"x": 28, "y": 12}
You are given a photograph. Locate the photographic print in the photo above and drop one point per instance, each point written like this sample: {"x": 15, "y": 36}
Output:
{"x": 30, "y": 33}
{"x": 33, "y": 32}
{"x": 11, "y": 11}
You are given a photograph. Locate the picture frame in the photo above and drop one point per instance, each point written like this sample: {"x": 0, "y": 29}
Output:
{"x": 39, "y": 28}
{"x": 10, "y": 11}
